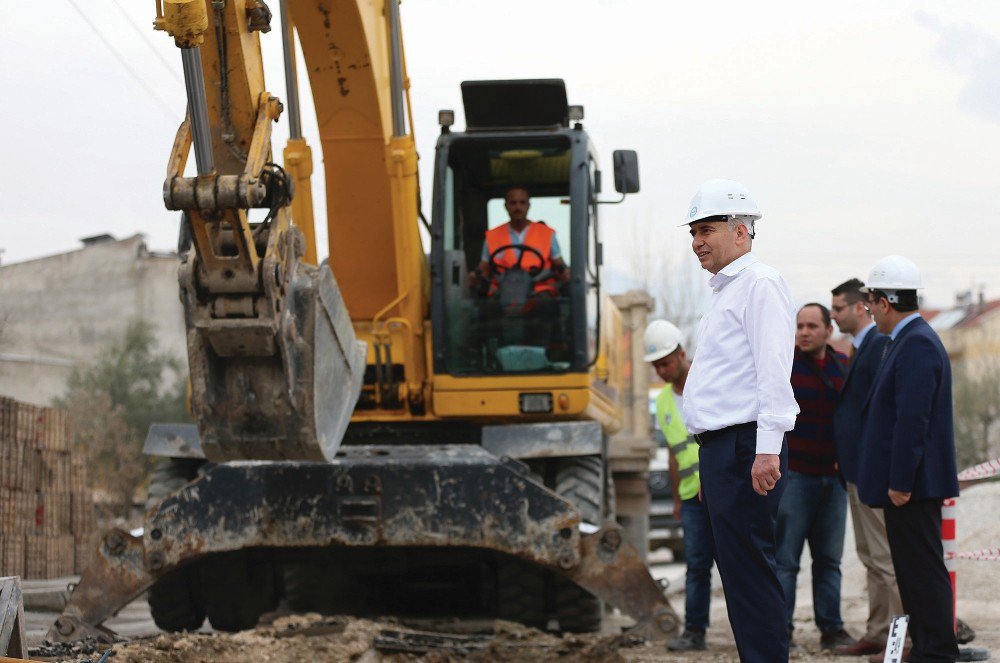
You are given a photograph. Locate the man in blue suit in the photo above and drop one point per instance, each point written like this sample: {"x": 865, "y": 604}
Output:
{"x": 908, "y": 455}
{"x": 850, "y": 311}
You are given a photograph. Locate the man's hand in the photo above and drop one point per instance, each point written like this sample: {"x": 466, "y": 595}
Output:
{"x": 560, "y": 268}
{"x": 677, "y": 510}
{"x": 898, "y": 497}
{"x": 765, "y": 473}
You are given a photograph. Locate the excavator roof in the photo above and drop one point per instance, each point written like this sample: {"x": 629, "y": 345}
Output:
{"x": 518, "y": 104}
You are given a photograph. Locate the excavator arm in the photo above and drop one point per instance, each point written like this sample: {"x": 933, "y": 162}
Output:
{"x": 275, "y": 366}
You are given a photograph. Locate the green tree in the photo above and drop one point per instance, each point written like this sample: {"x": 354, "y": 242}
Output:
{"x": 976, "y": 394}
{"x": 112, "y": 403}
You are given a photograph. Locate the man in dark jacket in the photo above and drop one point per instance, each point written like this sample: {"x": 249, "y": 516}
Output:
{"x": 849, "y": 310}
{"x": 908, "y": 455}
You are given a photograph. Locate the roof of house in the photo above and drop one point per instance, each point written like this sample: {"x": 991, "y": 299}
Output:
{"x": 964, "y": 316}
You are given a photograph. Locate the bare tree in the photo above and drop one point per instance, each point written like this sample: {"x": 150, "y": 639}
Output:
{"x": 668, "y": 272}
{"x": 4, "y": 327}
{"x": 683, "y": 296}
{"x": 644, "y": 254}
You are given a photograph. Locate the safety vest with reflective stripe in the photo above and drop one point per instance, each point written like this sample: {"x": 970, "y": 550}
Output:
{"x": 537, "y": 236}
{"x": 682, "y": 444}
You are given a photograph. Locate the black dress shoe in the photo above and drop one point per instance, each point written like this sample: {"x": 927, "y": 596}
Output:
{"x": 688, "y": 641}
{"x": 833, "y": 639}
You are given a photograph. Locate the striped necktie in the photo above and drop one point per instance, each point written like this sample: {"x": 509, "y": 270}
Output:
{"x": 885, "y": 350}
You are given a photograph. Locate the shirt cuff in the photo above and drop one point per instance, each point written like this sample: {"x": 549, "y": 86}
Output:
{"x": 769, "y": 441}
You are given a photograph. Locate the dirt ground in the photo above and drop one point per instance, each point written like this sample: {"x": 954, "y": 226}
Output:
{"x": 315, "y": 638}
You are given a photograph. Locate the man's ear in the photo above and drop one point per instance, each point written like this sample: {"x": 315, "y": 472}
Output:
{"x": 742, "y": 234}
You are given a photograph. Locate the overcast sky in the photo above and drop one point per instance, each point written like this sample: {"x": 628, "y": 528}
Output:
{"x": 862, "y": 128}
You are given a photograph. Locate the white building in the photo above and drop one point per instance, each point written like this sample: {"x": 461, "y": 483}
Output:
{"x": 63, "y": 310}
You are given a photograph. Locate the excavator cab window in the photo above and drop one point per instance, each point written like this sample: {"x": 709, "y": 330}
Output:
{"x": 506, "y": 302}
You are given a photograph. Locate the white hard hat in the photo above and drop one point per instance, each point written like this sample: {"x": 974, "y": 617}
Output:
{"x": 893, "y": 273}
{"x": 722, "y": 198}
{"x": 661, "y": 338}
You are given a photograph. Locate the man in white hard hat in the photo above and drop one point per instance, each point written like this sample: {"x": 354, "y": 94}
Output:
{"x": 908, "y": 454}
{"x": 738, "y": 402}
{"x": 664, "y": 350}
{"x": 849, "y": 310}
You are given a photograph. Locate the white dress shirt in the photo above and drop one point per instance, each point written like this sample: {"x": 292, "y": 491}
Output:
{"x": 742, "y": 368}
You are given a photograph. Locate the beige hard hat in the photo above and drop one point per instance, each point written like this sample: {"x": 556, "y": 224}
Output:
{"x": 660, "y": 339}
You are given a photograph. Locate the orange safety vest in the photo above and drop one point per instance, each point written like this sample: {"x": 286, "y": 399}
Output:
{"x": 539, "y": 237}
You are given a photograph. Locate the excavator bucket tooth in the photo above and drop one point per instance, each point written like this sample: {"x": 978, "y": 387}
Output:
{"x": 276, "y": 387}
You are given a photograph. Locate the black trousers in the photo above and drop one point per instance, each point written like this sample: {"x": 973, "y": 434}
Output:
{"x": 914, "y": 531}
{"x": 743, "y": 525}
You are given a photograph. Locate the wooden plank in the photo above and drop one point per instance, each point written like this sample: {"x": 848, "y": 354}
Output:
{"x": 423, "y": 642}
{"x": 12, "y": 642}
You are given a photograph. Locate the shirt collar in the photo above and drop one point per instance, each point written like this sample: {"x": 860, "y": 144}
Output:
{"x": 732, "y": 270}
{"x": 859, "y": 338}
{"x": 902, "y": 323}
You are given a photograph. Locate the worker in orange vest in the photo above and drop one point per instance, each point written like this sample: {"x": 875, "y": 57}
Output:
{"x": 542, "y": 252}
{"x": 518, "y": 275}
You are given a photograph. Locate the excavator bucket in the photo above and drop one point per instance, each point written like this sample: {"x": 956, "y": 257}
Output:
{"x": 280, "y": 382}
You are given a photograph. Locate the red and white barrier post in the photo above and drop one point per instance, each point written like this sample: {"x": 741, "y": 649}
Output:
{"x": 949, "y": 511}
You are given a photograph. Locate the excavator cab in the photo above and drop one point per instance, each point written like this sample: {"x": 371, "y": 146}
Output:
{"x": 517, "y": 316}
{"x": 524, "y": 316}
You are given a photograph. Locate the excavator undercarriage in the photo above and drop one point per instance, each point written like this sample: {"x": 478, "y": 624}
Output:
{"x": 458, "y": 498}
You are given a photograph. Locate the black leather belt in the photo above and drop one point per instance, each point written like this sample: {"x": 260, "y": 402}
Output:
{"x": 704, "y": 438}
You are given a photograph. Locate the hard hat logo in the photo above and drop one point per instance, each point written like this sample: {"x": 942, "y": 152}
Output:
{"x": 694, "y": 210}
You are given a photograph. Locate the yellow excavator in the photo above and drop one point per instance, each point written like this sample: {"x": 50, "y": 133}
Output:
{"x": 395, "y": 440}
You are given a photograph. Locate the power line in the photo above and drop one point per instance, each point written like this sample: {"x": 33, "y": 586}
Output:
{"x": 152, "y": 47}
{"x": 152, "y": 93}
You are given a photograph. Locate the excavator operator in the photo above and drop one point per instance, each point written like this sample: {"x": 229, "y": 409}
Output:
{"x": 530, "y": 246}
{"x": 519, "y": 273}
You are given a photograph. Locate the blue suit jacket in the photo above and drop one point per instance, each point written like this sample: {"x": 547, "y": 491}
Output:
{"x": 847, "y": 418}
{"x": 908, "y": 443}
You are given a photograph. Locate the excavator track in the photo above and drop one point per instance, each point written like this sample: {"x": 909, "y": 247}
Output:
{"x": 405, "y": 497}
